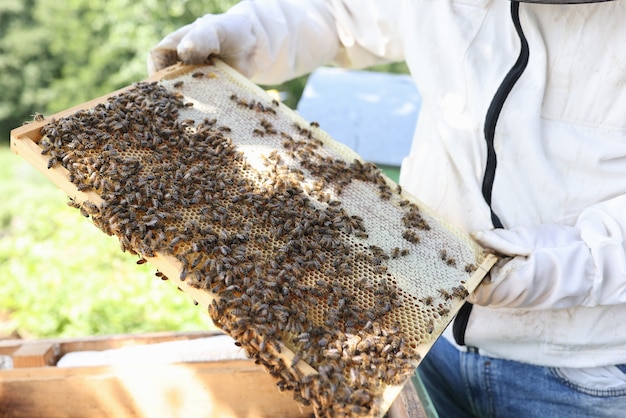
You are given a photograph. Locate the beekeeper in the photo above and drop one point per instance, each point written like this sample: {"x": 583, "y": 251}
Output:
{"x": 521, "y": 140}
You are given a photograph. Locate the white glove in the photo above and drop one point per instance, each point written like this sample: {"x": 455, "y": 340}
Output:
{"x": 229, "y": 35}
{"x": 550, "y": 267}
{"x": 268, "y": 41}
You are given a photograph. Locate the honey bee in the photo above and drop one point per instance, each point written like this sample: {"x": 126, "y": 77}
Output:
{"x": 428, "y": 300}
{"x": 444, "y": 294}
{"x": 334, "y": 203}
{"x": 183, "y": 273}
{"x": 430, "y": 326}
{"x": 296, "y": 359}
{"x": 380, "y": 269}
{"x": 443, "y": 311}
{"x": 460, "y": 292}
{"x": 469, "y": 268}
{"x": 411, "y": 236}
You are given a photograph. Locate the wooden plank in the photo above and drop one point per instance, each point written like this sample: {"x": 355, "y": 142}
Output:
{"x": 407, "y": 404}
{"x": 126, "y": 340}
{"x": 37, "y": 354}
{"x": 237, "y": 388}
{"x": 104, "y": 342}
{"x": 107, "y": 339}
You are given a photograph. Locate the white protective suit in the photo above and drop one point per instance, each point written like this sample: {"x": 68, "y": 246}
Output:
{"x": 560, "y": 142}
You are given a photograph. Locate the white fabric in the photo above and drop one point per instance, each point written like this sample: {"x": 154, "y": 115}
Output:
{"x": 252, "y": 36}
{"x": 217, "y": 348}
{"x": 560, "y": 142}
{"x": 231, "y": 35}
{"x": 551, "y": 268}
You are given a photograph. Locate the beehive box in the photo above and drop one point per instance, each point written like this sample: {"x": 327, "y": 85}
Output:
{"x": 322, "y": 268}
{"x": 121, "y": 375}
{"x": 186, "y": 384}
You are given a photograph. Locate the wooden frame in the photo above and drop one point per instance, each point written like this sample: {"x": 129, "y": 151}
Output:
{"x": 24, "y": 142}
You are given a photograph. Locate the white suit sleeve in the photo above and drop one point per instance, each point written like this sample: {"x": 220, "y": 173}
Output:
{"x": 558, "y": 266}
{"x": 292, "y": 37}
{"x": 271, "y": 41}
{"x": 295, "y": 37}
{"x": 603, "y": 229}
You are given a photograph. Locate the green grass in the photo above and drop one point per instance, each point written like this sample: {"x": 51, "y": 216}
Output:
{"x": 61, "y": 276}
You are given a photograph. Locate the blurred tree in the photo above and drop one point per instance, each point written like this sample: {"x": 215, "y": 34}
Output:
{"x": 54, "y": 55}
{"x": 57, "y": 54}
{"x": 20, "y": 45}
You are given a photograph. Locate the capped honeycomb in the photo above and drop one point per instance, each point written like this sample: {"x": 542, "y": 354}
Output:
{"x": 324, "y": 270}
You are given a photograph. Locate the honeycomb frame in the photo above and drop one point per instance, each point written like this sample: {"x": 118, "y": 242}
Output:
{"x": 355, "y": 278}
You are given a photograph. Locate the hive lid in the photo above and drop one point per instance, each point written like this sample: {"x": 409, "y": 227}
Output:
{"x": 323, "y": 269}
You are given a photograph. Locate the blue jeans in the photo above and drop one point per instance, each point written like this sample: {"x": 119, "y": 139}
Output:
{"x": 467, "y": 384}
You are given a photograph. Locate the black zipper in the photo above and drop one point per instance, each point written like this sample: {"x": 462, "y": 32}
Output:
{"x": 491, "y": 119}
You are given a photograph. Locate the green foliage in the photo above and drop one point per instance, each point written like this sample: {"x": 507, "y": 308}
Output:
{"x": 57, "y": 54}
{"x": 61, "y": 276}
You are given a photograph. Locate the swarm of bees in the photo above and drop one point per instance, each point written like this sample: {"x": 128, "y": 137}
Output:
{"x": 326, "y": 272}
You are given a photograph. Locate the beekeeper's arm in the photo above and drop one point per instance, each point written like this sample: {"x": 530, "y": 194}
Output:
{"x": 559, "y": 266}
{"x": 271, "y": 41}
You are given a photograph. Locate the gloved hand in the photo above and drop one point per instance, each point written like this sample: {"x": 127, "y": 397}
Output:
{"x": 548, "y": 267}
{"x": 229, "y": 35}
